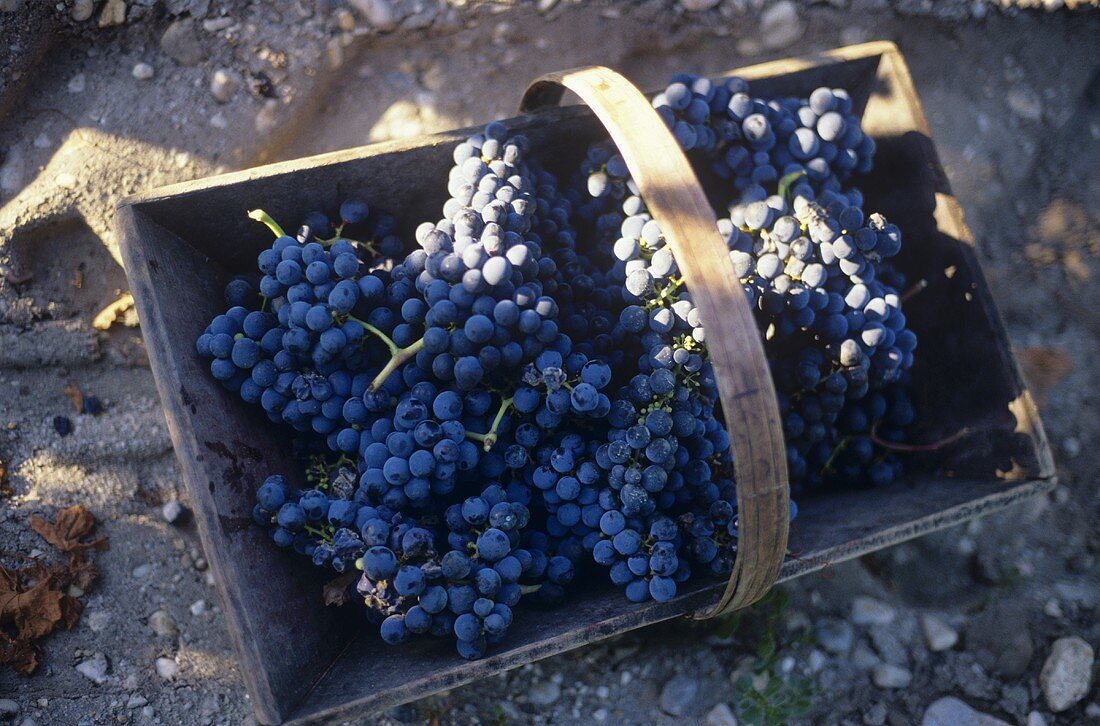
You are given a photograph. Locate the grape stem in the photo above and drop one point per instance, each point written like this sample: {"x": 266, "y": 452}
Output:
{"x": 398, "y": 356}
{"x": 261, "y": 216}
{"x": 915, "y": 448}
{"x": 490, "y": 437}
{"x": 917, "y": 287}
{"x": 528, "y": 589}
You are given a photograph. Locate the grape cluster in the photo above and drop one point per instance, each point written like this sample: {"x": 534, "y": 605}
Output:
{"x": 525, "y": 395}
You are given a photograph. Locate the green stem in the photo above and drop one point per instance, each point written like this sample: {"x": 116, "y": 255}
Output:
{"x": 261, "y": 216}
{"x": 394, "y": 350}
{"x": 491, "y": 435}
{"x": 788, "y": 181}
{"x": 528, "y": 589}
{"x": 400, "y": 355}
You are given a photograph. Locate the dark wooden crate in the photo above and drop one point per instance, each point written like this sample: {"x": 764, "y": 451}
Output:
{"x": 306, "y": 663}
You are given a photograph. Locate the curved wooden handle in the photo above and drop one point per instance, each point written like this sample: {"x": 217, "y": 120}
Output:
{"x": 673, "y": 195}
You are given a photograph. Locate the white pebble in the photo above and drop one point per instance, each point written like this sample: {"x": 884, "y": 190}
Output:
{"x": 78, "y": 83}
{"x": 142, "y": 571}
{"x": 172, "y": 510}
{"x": 868, "y": 611}
{"x": 886, "y": 675}
{"x": 142, "y": 71}
{"x": 198, "y": 607}
{"x": 167, "y": 668}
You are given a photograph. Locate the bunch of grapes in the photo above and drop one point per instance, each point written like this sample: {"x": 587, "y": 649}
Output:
{"x": 525, "y": 395}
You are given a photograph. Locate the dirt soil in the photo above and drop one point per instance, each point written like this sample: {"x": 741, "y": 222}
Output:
{"x": 102, "y": 99}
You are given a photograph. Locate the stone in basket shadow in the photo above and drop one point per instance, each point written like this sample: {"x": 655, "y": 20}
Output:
{"x": 304, "y": 662}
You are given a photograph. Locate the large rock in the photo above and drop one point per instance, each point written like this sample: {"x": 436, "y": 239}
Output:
{"x": 1000, "y": 639}
{"x": 950, "y": 711}
{"x": 182, "y": 43}
{"x": 1067, "y": 673}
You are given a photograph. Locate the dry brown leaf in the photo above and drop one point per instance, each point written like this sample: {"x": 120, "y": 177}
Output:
{"x": 70, "y": 611}
{"x": 19, "y": 654}
{"x": 75, "y": 395}
{"x": 31, "y": 614}
{"x": 108, "y": 315}
{"x": 5, "y": 487}
{"x": 82, "y": 572}
{"x": 65, "y": 534}
{"x": 1044, "y": 367}
{"x": 336, "y": 589}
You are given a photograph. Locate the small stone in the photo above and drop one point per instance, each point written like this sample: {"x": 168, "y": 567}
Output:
{"x": 1036, "y": 719}
{"x": 113, "y": 13}
{"x": 600, "y": 715}
{"x": 721, "y": 715}
{"x": 544, "y": 693}
{"x": 82, "y": 10}
{"x": 142, "y": 571}
{"x": 198, "y": 607}
{"x": 378, "y": 13}
{"x": 950, "y": 711}
{"x": 142, "y": 71}
{"x": 1093, "y": 710}
{"x": 864, "y": 658}
{"x": 885, "y": 675}
{"x": 835, "y": 636}
{"x": 868, "y": 611}
{"x": 678, "y": 695}
{"x": 223, "y": 84}
{"x": 816, "y": 660}
{"x": 1071, "y": 446}
{"x": 215, "y": 25}
{"x": 1000, "y": 640}
{"x": 78, "y": 83}
{"x": 137, "y": 701}
{"x": 97, "y": 620}
{"x": 13, "y": 170}
{"x": 167, "y": 668}
{"x": 172, "y": 510}
{"x": 1025, "y": 103}
{"x": 94, "y": 669}
{"x": 697, "y": 6}
{"x": 1067, "y": 672}
{"x": 780, "y": 25}
{"x": 603, "y": 693}
{"x": 148, "y": 712}
{"x": 1053, "y": 609}
{"x": 852, "y": 35}
{"x": 182, "y": 43}
{"x": 42, "y": 141}
{"x": 218, "y": 120}
{"x": 8, "y": 709}
{"x": 163, "y": 624}
{"x": 938, "y": 634}
{"x": 545, "y": 6}
{"x": 268, "y": 117}
{"x": 875, "y": 715}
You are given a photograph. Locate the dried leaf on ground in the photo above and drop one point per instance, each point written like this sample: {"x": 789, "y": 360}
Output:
{"x": 108, "y": 315}
{"x": 33, "y": 613}
{"x": 81, "y": 572}
{"x": 65, "y": 534}
{"x": 19, "y": 654}
{"x": 75, "y": 395}
{"x": 40, "y": 596}
{"x": 5, "y": 486}
{"x": 1044, "y": 367}
{"x": 336, "y": 589}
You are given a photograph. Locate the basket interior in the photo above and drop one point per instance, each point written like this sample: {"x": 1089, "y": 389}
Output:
{"x": 303, "y": 660}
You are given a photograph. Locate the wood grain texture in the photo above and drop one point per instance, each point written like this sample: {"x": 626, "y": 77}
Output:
{"x": 675, "y": 198}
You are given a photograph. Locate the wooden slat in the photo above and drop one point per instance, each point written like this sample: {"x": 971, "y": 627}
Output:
{"x": 675, "y": 198}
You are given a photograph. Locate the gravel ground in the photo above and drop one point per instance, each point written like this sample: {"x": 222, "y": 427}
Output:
{"x": 100, "y": 99}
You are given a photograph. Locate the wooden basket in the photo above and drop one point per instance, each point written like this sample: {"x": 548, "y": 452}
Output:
{"x": 306, "y": 663}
